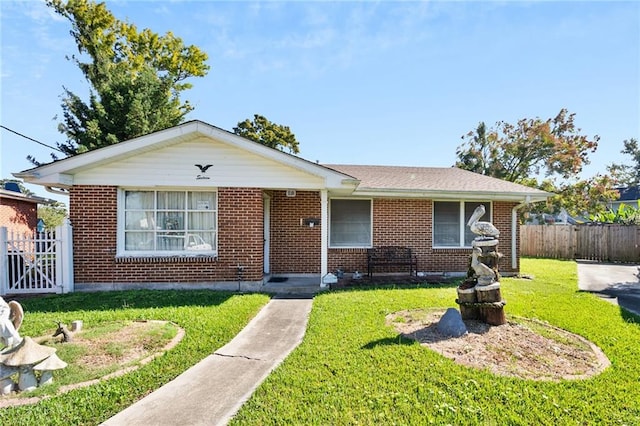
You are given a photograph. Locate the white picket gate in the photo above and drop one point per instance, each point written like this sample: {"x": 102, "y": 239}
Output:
{"x": 39, "y": 263}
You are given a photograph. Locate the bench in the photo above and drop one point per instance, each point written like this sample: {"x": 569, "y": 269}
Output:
{"x": 391, "y": 256}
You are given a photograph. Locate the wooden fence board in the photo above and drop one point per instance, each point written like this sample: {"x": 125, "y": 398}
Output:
{"x": 604, "y": 243}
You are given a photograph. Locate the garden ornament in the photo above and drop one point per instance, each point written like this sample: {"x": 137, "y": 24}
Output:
{"x": 484, "y": 229}
{"x": 10, "y": 320}
{"x": 47, "y": 367}
{"x": 25, "y": 356}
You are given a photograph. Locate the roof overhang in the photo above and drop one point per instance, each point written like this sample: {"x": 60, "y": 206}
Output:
{"x": 60, "y": 173}
{"x": 538, "y": 196}
{"x": 18, "y": 196}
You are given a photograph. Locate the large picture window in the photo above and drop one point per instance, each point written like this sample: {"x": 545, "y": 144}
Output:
{"x": 169, "y": 222}
{"x": 450, "y": 222}
{"x": 350, "y": 223}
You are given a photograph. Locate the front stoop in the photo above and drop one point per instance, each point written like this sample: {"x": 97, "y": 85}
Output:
{"x": 293, "y": 286}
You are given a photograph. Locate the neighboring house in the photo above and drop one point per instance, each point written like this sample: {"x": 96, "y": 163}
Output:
{"x": 197, "y": 204}
{"x": 628, "y": 196}
{"x": 18, "y": 211}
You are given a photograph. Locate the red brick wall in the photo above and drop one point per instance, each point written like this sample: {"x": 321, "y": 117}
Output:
{"x": 93, "y": 214}
{"x": 240, "y": 232}
{"x": 408, "y": 223}
{"x": 295, "y": 248}
{"x": 17, "y": 216}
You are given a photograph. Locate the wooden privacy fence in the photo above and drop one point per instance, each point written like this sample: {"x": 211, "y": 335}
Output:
{"x": 604, "y": 243}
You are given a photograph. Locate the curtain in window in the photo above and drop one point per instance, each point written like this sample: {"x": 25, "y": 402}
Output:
{"x": 170, "y": 221}
{"x": 140, "y": 220}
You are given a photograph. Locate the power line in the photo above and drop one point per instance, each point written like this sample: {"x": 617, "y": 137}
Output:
{"x": 31, "y": 139}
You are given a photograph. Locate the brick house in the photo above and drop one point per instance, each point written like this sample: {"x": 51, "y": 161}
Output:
{"x": 196, "y": 205}
{"x": 18, "y": 211}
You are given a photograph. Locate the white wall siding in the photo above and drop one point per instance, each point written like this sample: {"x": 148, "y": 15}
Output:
{"x": 175, "y": 166}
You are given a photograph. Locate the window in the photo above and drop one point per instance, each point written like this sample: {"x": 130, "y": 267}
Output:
{"x": 350, "y": 223}
{"x": 169, "y": 222}
{"x": 450, "y": 222}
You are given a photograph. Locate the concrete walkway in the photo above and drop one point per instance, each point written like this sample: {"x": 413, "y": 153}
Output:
{"x": 614, "y": 282}
{"x": 212, "y": 391}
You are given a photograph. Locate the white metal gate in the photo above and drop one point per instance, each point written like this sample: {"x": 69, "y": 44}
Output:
{"x": 39, "y": 263}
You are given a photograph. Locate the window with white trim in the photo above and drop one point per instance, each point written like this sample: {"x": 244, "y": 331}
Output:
{"x": 450, "y": 222}
{"x": 350, "y": 223}
{"x": 168, "y": 222}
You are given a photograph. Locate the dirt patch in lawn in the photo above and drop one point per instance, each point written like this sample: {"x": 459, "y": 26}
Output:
{"x": 523, "y": 348}
{"x": 102, "y": 352}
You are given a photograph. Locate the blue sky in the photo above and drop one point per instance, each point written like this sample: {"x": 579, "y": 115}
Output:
{"x": 392, "y": 83}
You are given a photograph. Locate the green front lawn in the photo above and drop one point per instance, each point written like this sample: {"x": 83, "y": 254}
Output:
{"x": 210, "y": 320}
{"x": 353, "y": 369}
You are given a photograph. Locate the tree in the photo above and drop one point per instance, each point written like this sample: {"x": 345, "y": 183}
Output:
{"x": 628, "y": 174}
{"x": 584, "y": 197}
{"x": 553, "y": 147}
{"x": 534, "y": 148}
{"x": 53, "y": 215}
{"x": 625, "y": 215}
{"x": 136, "y": 78}
{"x": 267, "y": 133}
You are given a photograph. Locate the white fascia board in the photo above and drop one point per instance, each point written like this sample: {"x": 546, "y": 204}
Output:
{"x": 36, "y": 177}
{"x": 453, "y": 195}
{"x": 58, "y": 172}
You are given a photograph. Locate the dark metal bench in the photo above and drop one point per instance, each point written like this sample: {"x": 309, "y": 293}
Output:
{"x": 391, "y": 256}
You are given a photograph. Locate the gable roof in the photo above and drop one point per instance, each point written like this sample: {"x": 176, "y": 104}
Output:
{"x": 435, "y": 182}
{"x": 61, "y": 173}
{"x": 357, "y": 180}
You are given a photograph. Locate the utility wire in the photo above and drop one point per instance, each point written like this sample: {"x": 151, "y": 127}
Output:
{"x": 31, "y": 139}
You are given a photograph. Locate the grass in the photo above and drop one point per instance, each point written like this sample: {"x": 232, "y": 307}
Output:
{"x": 106, "y": 353}
{"x": 210, "y": 320}
{"x": 353, "y": 369}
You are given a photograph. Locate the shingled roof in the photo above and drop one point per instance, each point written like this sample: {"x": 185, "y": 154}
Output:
{"x": 434, "y": 181}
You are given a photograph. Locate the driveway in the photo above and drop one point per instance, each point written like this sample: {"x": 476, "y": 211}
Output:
{"x": 616, "y": 283}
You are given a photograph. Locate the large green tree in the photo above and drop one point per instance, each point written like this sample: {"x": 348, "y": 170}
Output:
{"x": 531, "y": 147}
{"x": 267, "y": 133}
{"x": 628, "y": 174}
{"x": 547, "y": 154}
{"x": 136, "y": 78}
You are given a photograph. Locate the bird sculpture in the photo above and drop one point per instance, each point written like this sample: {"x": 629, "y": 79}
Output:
{"x": 484, "y": 229}
{"x": 203, "y": 168}
{"x": 485, "y": 274}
